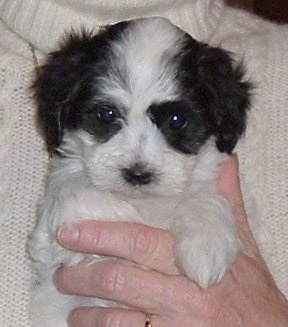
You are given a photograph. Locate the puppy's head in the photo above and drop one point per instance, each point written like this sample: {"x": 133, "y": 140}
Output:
{"x": 137, "y": 102}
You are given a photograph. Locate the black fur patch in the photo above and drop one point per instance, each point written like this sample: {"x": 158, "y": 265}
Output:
{"x": 65, "y": 86}
{"x": 213, "y": 83}
{"x": 187, "y": 138}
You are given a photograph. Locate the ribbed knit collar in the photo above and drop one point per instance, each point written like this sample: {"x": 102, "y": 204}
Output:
{"x": 42, "y": 22}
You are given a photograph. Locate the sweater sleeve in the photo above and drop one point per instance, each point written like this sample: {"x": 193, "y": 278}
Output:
{"x": 275, "y": 107}
{"x": 22, "y": 168}
{"x": 263, "y": 152}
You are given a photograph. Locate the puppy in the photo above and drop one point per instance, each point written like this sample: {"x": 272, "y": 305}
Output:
{"x": 138, "y": 118}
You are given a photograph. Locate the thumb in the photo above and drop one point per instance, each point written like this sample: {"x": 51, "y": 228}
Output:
{"x": 229, "y": 186}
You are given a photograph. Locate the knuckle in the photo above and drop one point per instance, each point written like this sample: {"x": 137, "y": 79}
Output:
{"x": 145, "y": 243}
{"x": 120, "y": 319}
{"x": 113, "y": 320}
{"x": 112, "y": 279}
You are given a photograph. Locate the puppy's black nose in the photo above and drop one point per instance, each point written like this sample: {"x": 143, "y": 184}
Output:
{"x": 137, "y": 175}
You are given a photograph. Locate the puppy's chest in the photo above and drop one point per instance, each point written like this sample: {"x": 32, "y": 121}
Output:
{"x": 90, "y": 204}
{"x": 158, "y": 212}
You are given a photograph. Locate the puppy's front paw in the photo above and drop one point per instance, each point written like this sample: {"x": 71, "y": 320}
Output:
{"x": 206, "y": 259}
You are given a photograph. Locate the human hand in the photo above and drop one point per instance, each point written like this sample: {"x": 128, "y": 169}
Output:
{"x": 248, "y": 295}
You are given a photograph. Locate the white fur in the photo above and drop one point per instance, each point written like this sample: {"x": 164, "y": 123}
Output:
{"x": 141, "y": 49}
{"x": 87, "y": 184}
{"x": 187, "y": 204}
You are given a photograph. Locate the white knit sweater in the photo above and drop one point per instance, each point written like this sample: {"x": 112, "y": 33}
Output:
{"x": 263, "y": 151}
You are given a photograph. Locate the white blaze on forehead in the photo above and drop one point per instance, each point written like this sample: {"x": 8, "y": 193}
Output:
{"x": 145, "y": 58}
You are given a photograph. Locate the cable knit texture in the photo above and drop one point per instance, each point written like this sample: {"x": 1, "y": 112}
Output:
{"x": 22, "y": 165}
{"x": 263, "y": 151}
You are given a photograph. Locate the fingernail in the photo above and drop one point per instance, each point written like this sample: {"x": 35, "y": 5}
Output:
{"x": 61, "y": 280}
{"x": 56, "y": 278}
{"x": 68, "y": 235}
{"x": 72, "y": 316}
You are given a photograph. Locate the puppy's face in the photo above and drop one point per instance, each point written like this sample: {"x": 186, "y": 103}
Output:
{"x": 137, "y": 102}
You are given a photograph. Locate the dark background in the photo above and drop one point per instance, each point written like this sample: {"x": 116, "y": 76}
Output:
{"x": 275, "y": 10}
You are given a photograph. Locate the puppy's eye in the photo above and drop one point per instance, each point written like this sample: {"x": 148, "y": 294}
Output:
{"x": 177, "y": 121}
{"x": 108, "y": 115}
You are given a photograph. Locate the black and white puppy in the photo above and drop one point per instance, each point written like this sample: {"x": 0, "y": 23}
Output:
{"x": 139, "y": 118}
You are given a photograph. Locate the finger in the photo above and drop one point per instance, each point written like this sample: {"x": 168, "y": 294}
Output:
{"x": 229, "y": 186}
{"x": 147, "y": 291}
{"x": 144, "y": 245}
{"x": 102, "y": 317}
{"x": 229, "y": 183}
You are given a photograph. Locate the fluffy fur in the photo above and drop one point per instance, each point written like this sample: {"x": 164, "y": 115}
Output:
{"x": 138, "y": 117}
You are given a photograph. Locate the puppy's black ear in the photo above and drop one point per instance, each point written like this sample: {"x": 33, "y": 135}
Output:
{"x": 225, "y": 95}
{"x": 57, "y": 84}
{"x": 67, "y": 75}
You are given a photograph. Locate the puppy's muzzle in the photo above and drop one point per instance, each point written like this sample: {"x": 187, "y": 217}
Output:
{"x": 137, "y": 175}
